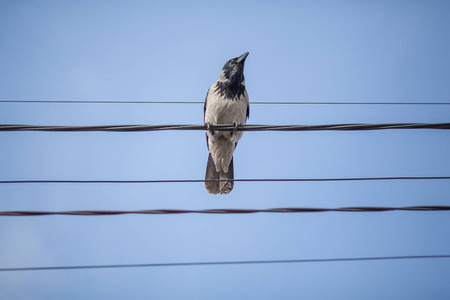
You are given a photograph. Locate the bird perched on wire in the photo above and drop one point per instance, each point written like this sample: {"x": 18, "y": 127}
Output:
{"x": 226, "y": 103}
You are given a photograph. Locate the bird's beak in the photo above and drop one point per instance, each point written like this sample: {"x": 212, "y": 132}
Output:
{"x": 242, "y": 57}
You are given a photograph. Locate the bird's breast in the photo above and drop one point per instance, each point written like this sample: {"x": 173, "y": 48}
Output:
{"x": 223, "y": 110}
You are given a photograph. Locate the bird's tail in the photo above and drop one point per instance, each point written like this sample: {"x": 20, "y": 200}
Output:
{"x": 218, "y": 187}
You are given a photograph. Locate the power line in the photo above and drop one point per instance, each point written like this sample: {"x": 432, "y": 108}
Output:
{"x": 225, "y": 211}
{"x": 237, "y": 180}
{"x": 125, "y": 128}
{"x": 320, "y": 260}
{"x": 202, "y": 102}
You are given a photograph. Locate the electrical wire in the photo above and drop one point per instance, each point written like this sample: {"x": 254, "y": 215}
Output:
{"x": 184, "y": 264}
{"x": 202, "y": 102}
{"x": 225, "y": 211}
{"x": 124, "y": 128}
{"x": 237, "y": 180}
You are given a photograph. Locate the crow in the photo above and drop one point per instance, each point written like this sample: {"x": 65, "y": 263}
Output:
{"x": 226, "y": 103}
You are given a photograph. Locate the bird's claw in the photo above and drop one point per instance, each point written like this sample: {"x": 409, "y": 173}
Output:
{"x": 208, "y": 127}
{"x": 236, "y": 125}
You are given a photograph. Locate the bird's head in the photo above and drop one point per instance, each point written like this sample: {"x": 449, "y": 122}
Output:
{"x": 233, "y": 70}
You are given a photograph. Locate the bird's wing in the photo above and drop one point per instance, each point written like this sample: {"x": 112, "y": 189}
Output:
{"x": 204, "y": 108}
{"x": 204, "y": 115}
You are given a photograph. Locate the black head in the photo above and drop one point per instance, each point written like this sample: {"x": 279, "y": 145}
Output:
{"x": 233, "y": 70}
{"x": 231, "y": 80}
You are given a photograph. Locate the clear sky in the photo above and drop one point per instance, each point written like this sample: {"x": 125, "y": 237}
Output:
{"x": 364, "y": 51}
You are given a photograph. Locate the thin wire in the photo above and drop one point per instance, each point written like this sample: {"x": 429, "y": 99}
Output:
{"x": 228, "y": 127}
{"x": 224, "y": 211}
{"x": 202, "y": 102}
{"x": 320, "y": 260}
{"x": 237, "y": 180}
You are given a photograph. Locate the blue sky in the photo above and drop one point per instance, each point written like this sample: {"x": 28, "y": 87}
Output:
{"x": 364, "y": 51}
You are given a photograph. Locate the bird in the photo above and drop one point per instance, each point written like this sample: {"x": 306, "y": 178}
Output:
{"x": 226, "y": 103}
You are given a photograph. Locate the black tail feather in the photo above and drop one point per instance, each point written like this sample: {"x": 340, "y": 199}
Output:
{"x": 218, "y": 187}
